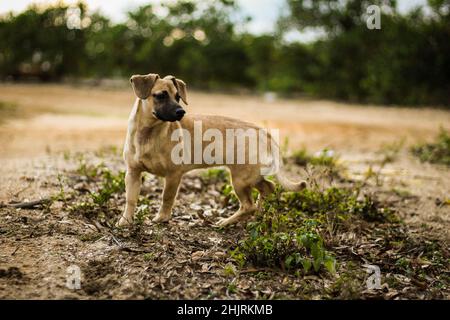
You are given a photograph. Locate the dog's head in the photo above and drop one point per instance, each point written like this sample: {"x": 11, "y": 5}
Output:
{"x": 165, "y": 93}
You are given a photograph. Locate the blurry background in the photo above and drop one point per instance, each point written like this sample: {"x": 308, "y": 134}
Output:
{"x": 309, "y": 68}
{"x": 313, "y": 48}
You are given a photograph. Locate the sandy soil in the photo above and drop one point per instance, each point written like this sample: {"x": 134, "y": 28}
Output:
{"x": 53, "y": 120}
{"x": 81, "y": 118}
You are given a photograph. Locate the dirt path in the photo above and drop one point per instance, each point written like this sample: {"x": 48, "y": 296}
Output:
{"x": 61, "y": 118}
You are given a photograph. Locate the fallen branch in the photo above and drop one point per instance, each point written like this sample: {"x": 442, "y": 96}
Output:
{"x": 29, "y": 204}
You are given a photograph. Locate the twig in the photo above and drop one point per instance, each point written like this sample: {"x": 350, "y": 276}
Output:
{"x": 15, "y": 250}
{"x": 28, "y": 205}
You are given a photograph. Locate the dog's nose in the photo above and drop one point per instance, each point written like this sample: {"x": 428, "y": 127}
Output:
{"x": 180, "y": 112}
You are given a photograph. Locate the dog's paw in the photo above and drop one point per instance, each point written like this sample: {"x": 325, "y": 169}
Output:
{"x": 222, "y": 223}
{"x": 123, "y": 222}
{"x": 161, "y": 218}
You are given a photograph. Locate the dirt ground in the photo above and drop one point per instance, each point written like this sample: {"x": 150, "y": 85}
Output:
{"x": 49, "y": 124}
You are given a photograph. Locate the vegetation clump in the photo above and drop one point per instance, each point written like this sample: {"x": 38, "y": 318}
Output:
{"x": 325, "y": 158}
{"x": 107, "y": 184}
{"x": 435, "y": 152}
{"x": 292, "y": 229}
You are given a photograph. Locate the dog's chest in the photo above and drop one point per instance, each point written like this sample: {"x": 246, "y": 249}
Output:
{"x": 144, "y": 150}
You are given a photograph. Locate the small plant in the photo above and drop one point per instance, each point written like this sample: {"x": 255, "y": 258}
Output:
{"x": 390, "y": 151}
{"x": 229, "y": 270}
{"x": 61, "y": 195}
{"x": 435, "y": 152}
{"x": 89, "y": 171}
{"x": 215, "y": 175}
{"x": 87, "y": 209}
{"x": 148, "y": 256}
{"x": 228, "y": 191}
{"x": 142, "y": 213}
{"x": 111, "y": 183}
{"x": 325, "y": 158}
{"x": 106, "y": 183}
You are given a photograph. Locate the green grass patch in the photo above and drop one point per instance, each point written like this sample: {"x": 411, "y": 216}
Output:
{"x": 435, "y": 152}
{"x": 105, "y": 184}
{"x": 7, "y": 110}
{"x": 325, "y": 158}
{"x": 215, "y": 175}
{"x": 292, "y": 229}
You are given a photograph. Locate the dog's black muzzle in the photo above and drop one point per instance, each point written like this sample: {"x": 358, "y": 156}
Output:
{"x": 172, "y": 112}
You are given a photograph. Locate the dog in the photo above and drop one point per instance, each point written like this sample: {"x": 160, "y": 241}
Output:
{"x": 156, "y": 114}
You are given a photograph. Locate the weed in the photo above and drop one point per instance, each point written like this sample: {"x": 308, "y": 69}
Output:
{"x": 289, "y": 231}
{"x": 148, "y": 256}
{"x": 215, "y": 175}
{"x": 61, "y": 195}
{"x": 390, "y": 151}
{"x": 89, "y": 171}
{"x": 230, "y": 197}
{"x": 88, "y": 209}
{"x": 111, "y": 183}
{"x": 435, "y": 152}
{"x": 142, "y": 213}
{"x": 325, "y": 158}
{"x": 232, "y": 288}
{"x": 229, "y": 270}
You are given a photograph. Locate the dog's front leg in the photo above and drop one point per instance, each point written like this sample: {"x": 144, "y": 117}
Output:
{"x": 171, "y": 184}
{"x": 132, "y": 187}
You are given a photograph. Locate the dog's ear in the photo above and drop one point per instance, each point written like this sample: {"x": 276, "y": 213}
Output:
{"x": 181, "y": 87}
{"x": 182, "y": 90}
{"x": 143, "y": 84}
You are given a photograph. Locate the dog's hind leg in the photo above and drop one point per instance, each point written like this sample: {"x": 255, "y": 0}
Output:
{"x": 132, "y": 187}
{"x": 247, "y": 206}
{"x": 171, "y": 184}
{"x": 265, "y": 187}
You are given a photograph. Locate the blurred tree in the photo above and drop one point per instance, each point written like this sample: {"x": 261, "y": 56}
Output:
{"x": 44, "y": 43}
{"x": 406, "y": 62}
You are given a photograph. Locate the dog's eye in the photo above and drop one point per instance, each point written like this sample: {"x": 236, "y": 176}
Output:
{"x": 177, "y": 97}
{"x": 160, "y": 95}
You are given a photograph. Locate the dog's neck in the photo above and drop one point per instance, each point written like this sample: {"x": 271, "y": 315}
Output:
{"x": 141, "y": 118}
{"x": 144, "y": 114}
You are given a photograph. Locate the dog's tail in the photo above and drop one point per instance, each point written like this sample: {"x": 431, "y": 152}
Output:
{"x": 276, "y": 161}
{"x": 289, "y": 185}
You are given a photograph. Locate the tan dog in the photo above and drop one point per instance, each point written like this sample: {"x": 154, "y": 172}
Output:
{"x": 149, "y": 147}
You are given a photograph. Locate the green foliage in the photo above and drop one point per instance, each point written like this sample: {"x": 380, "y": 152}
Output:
{"x": 349, "y": 62}
{"x": 436, "y": 152}
{"x": 215, "y": 175}
{"x": 390, "y": 151}
{"x": 86, "y": 169}
{"x": 290, "y": 230}
{"x": 111, "y": 183}
{"x": 107, "y": 184}
{"x": 142, "y": 213}
{"x": 323, "y": 158}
